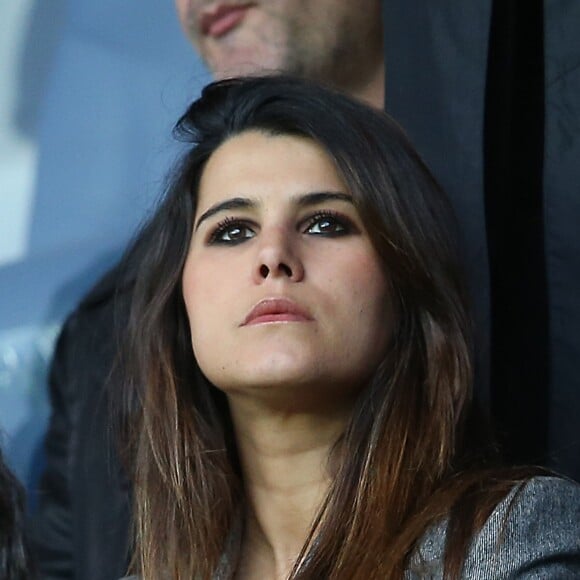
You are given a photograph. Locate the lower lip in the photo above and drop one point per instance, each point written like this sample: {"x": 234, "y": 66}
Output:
{"x": 269, "y": 318}
{"x": 227, "y": 22}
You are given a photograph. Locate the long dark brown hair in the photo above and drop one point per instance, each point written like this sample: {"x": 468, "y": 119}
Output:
{"x": 411, "y": 454}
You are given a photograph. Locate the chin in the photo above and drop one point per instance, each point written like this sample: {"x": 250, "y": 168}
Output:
{"x": 245, "y": 68}
{"x": 275, "y": 374}
{"x": 274, "y": 378}
{"x": 239, "y": 62}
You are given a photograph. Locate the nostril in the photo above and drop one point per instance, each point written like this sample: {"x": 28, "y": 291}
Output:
{"x": 281, "y": 270}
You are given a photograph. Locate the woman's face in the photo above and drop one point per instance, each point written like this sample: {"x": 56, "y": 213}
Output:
{"x": 282, "y": 285}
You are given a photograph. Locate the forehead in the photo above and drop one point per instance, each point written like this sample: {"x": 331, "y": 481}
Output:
{"x": 256, "y": 164}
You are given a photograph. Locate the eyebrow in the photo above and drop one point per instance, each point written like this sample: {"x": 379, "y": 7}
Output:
{"x": 322, "y": 196}
{"x": 304, "y": 200}
{"x": 234, "y": 203}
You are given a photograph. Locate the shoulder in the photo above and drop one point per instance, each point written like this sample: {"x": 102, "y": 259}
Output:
{"x": 550, "y": 505}
{"x": 88, "y": 341}
{"x": 546, "y": 498}
{"x": 533, "y": 533}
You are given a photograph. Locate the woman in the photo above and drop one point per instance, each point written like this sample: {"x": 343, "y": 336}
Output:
{"x": 299, "y": 357}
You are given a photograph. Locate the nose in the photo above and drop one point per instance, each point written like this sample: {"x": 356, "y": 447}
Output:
{"x": 277, "y": 257}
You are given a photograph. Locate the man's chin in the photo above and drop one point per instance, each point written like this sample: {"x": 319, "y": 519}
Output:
{"x": 241, "y": 69}
{"x": 227, "y": 62}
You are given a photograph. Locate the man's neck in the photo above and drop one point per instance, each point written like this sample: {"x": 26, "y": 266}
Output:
{"x": 373, "y": 92}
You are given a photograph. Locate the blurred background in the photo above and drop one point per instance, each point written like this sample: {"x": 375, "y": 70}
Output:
{"x": 89, "y": 92}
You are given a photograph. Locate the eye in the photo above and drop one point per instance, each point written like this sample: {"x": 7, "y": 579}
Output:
{"x": 231, "y": 231}
{"x": 326, "y": 223}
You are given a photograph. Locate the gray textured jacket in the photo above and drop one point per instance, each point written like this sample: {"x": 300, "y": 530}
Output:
{"x": 534, "y": 535}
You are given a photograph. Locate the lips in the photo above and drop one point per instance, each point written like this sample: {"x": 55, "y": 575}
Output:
{"x": 276, "y": 310}
{"x": 222, "y": 18}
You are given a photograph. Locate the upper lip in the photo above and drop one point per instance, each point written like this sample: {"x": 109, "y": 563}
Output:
{"x": 276, "y": 305}
{"x": 213, "y": 13}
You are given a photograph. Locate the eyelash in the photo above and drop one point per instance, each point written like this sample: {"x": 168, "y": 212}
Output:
{"x": 224, "y": 225}
{"x": 341, "y": 220}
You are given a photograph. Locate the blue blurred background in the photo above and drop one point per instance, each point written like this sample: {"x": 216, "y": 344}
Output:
{"x": 89, "y": 92}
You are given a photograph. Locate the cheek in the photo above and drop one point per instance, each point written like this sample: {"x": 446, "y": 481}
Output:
{"x": 183, "y": 13}
{"x": 363, "y": 275}
{"x": 200, "y": 312}
{"x": 370, "y": 299}
{"x": 209, "y": 291}
{"x": 197, "y": 285}
{"x": 181, "y": 7}
{"x": 188, "y": 289}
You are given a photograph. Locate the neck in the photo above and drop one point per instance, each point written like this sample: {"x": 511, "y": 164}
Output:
{"x": 373, "y": 91}
{"x": 284, "y": 460}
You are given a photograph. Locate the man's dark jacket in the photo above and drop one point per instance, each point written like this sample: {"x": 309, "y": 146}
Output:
{"x": 82, "y": 528}
{"x": 489, "y": 93}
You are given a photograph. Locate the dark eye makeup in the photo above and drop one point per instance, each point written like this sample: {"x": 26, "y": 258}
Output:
{"x": 327, "y": 223}
{"x": 231, "y": 231}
